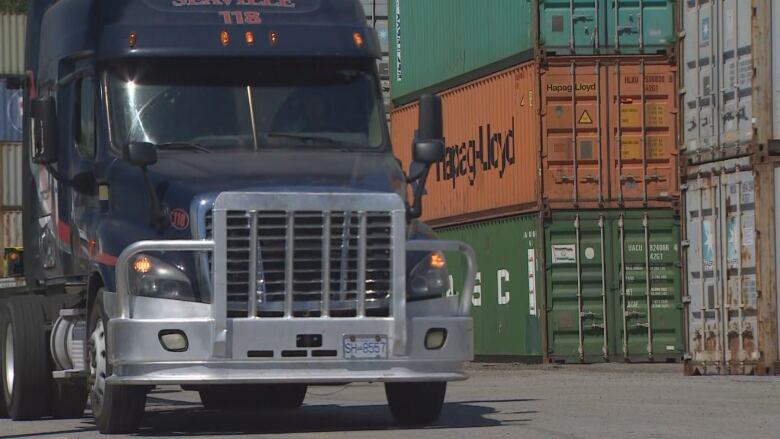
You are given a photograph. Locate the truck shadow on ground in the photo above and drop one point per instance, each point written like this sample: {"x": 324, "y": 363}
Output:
{"x": 191, "y": 419}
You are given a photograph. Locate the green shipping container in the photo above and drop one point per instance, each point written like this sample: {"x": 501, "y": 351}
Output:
{"x": 597, "y": 272}
{"x": 506, "y": 317}
{"x": 438, "y": 44}
{"x": 589, "y": 27}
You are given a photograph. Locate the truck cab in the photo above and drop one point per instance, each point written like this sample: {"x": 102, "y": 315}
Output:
{"x": 211, "y": 201}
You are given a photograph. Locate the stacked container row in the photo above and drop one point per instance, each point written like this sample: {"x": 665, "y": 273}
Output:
{"x": 12, "y": 33}
{"x": 730, "y": 186}
{"x": 571, "y": 106}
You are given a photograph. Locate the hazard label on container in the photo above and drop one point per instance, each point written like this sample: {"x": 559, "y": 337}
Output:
{"x": 585, "y": 118}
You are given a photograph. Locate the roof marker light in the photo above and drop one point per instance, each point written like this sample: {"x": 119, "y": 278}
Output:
{"x": 358, "y": 39}
{"x": 132, "y": 40}
{"x": 250, "y": 38}
{"x": 224, "y": 37}
{"x": 273, "y": 37}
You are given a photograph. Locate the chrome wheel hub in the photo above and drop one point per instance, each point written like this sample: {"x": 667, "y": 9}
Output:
{"x": 97, "y": 364}
{"x": 8, "y": 359}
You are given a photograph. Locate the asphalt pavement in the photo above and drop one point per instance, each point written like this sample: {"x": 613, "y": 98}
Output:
{"x": 499, "y": 401}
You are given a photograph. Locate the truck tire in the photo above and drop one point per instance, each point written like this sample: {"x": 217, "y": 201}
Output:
{"x": 25, "y": 372}
{"x": 415, "y": 403}
{"x": 3, "y": 322}
{"x": 117, "y": 409}
{"x": 253, "y": 397}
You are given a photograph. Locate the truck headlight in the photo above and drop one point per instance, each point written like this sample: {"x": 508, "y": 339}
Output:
{"x": 152, "y": 277}
{"x": 429, "y": 278}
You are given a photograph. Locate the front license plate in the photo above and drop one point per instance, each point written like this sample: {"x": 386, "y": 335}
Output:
{"x": 365, "y": 346}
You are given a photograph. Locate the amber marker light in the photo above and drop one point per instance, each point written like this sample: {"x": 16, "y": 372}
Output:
{"x": 250, "y": 38}
{"x": 132, "y": 39}
{"x": 142, "y": 265}
{"x": 224, "y": 37}
{"x": 437, "y": 260}
{"x": 358, "y": 39}
{"x": 273, "y": 37}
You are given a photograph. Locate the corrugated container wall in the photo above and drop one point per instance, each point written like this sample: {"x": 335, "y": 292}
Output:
{"x": 732, "y": 325}
{"x": 10, "y": 113}
{"x": 439, "y": 44}
{"x": 613, "y": 286}
{"x": 376, "y": 15}
{"x": 12, "y": 229}
{"x": 12, "y": 29}
{"x": 717, "y": 80}
{"x": 11, "y": 156}
{"x": 504, "y": 307}
{"x": 609, "y": 133}
{"x": 589, "y": 27}
{"x": 491, "y": 133}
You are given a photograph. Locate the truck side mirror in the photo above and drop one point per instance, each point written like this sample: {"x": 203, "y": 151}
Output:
{"x": 44, "y": 115}
{"x": 428, "y": 148}
{"x": 141, "y": 154}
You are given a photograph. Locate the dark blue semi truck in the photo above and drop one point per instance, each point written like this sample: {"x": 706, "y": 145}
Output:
{"x": 211, "y": 201}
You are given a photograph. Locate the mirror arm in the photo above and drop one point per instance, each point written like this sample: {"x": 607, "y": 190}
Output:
{"x": 411, "y": 178}
{"x": 415, "y": 211}
{"x": 159, "y": 219}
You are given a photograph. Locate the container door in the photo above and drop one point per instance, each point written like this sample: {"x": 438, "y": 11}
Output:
{"x": 702, "y": 212}
{"x": 700, "y": 125}
{"x": 740, "y": 307}
{"x": 648, "y": 315}
{"x": 573, "y": 145}
{"x": 642, "y": 99}
{"x": 643, "y": 26}
{"x": 736, "y": 67}
{"x": 504, "y": 307}
{"x": 569, "y": 27}
{"x": 576, "y": 293}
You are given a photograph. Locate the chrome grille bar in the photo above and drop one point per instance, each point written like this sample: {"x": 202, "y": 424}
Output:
{"x": 361, "y": 264}
{"x": 326, "y": 231}
{"x": 253, "y": 266}
{"x": 288, "y": 265}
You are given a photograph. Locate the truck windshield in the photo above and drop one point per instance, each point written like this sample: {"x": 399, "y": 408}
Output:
{"x": 198, "y": 108}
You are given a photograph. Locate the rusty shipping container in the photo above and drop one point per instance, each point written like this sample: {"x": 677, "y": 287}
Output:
{"x": 491, "y": 165}
{"x": 609, "y": 131}
{"x": 732, "y": 326}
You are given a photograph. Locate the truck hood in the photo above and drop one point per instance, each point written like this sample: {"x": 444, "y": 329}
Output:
{"x": 197, "y": 173}
{"x": 182, "y": 177}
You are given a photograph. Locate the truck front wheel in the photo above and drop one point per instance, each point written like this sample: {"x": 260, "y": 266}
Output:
{"x": 116, "y": 408}
{"x": 415, "y": 403}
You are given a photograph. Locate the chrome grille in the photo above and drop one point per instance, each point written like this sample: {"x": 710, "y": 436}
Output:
{"x": 316, "y": 253}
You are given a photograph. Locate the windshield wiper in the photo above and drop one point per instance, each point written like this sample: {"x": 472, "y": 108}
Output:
{"x": 183, "y": 145}
{"x": 314, "y": 138}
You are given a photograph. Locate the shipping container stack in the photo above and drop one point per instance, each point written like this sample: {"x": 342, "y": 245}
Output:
{"x": 12, "y": 28}
{"x": 730, "y": 184}
{"x": 376, "y": 15}
{"x": 561, "y": 168}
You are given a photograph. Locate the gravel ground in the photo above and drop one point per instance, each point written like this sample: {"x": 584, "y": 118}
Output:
{"x": 499, "y": 401}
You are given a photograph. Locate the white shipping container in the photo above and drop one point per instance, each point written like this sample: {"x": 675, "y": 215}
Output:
{"x": 11, "y": 156}
{"x": 722, "y": 314}
{"x": 717, "y": 98}
{"x": 12, "y": 229}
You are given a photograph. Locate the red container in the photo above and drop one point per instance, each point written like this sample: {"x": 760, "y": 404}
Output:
{"x": 492, "y": 160}
{"x": 609, "y": 133}
{"x": 601, "y": 134}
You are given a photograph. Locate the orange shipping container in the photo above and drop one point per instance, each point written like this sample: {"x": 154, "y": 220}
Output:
{"x": 491, "y": 129}
{"x": 609, "y": 133}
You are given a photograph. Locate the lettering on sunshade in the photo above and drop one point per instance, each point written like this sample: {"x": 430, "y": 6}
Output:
{"x": 268, "y": 3}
